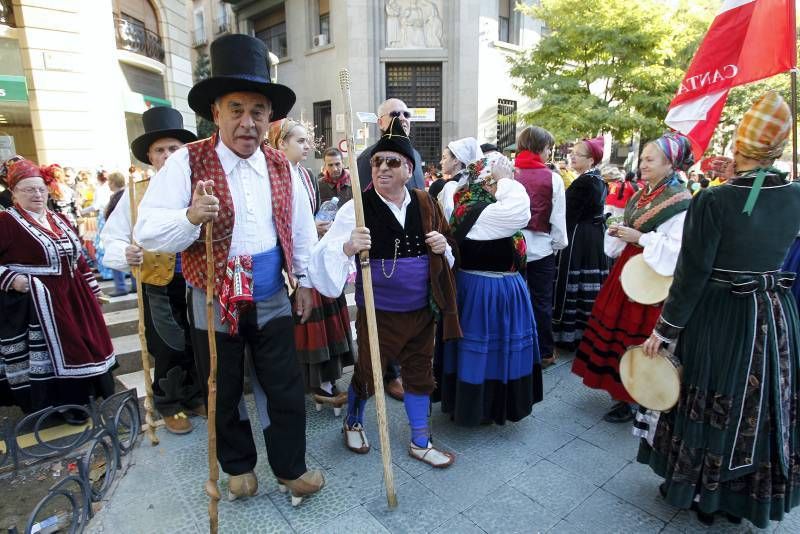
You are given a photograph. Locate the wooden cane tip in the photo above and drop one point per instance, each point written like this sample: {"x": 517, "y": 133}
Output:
{"x": 212, "y": 490}
{"x": 392, "y": 501}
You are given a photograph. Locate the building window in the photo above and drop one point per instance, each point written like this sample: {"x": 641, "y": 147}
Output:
{"x": 271, "y": 28}
{"x": 508, "y": 29}
{"x": 137, "y": 28}
{"x": 323, "y": 123}
{"x": 222, "y": 23}
{"x": 419, "y": 85}
{"x": 506, "y": 123}
{"x": 321, "y": 30}
{"x": 199, "y": 37}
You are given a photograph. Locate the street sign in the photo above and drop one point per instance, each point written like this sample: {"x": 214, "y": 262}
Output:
{"x": 343, "y": 146}
{"x": 423, "y": 114}
{"x": 366, "y": 117}
{"x": 13, "y": 89}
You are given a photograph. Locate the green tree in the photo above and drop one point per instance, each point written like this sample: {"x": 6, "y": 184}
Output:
{"x": 202, "y": 70}
{"x": 610, "y": 66}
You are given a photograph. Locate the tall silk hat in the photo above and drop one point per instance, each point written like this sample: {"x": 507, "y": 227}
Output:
{"x": 239, "y": 63}
{"x": 762, "y": 136}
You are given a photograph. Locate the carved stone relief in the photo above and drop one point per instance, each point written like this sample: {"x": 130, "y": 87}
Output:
{"x": 414, "y": 24}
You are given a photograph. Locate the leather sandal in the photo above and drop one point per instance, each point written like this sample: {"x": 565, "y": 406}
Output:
{"x": 431, "y": 456}
{"x": 355, "y": 438}
{"x": 244, "y": 485}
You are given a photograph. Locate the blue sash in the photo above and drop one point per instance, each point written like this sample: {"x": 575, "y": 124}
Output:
{"x": 267, "y": 273}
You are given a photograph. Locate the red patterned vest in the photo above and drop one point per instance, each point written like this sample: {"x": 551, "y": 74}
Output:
{"x": 205, "y": 165}
{"x": 539, "y": 185}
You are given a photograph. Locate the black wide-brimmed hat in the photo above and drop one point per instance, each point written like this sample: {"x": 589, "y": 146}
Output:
{"x": 160, "y": 122}
{"x": 395, "y": 140}
{"x": 239, "y": 63}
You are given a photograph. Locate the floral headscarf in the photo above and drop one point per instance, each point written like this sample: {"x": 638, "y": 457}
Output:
{"x": 473, "y": 194}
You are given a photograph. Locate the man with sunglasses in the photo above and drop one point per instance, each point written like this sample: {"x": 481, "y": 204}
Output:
{"x": 393, "y": 108}
{"x": 411, "y": 262}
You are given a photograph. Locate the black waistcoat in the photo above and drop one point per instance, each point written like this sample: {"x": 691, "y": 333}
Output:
{"x": 496, "y": 255}
{"x": 385, "y": 231}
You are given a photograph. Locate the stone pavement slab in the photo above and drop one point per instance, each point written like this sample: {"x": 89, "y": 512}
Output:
{"x": 563, "y": 471}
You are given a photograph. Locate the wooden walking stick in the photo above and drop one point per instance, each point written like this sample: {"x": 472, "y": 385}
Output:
{"x": 369, "y": 299}
{"x": 136, "y": 271}
{"x": 213, "y": 467}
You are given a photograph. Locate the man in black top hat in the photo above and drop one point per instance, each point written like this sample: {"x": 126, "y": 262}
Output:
{"x": 176, "y": 388}
{"x": 263, "y": 230}
{"x": 411, "y": 261}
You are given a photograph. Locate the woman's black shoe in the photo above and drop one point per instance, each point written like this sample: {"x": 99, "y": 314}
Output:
{"x": 733, "y": 519}
{"x": 706, "y": 519}
{"x": 662, "y": 489}
{"x": 620, "y": 413}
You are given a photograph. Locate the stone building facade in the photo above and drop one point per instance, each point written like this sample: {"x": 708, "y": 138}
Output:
{"x": 82, "y": 72}
{"x": 446, "y": 57}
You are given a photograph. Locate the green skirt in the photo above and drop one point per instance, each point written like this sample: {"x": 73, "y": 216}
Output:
{"x": 734, "y": 439}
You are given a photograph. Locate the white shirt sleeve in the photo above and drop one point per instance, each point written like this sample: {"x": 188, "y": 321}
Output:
{"x": 613, "y": 246}
{"x": 162, "y": 225}
{"x": 662, "y": 246}
{"x": 304, "y": 232}
{"x": 558, "y": 217}
{"x": 116, "y": 235}
{"x": 508, "y": 215}
{"x": 329, "y": 266}
{"x": 445, "y": 198}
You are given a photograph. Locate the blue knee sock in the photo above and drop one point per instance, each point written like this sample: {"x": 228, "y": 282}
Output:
{"x": 355, "y": 407}
{"x": 417, "y": 410}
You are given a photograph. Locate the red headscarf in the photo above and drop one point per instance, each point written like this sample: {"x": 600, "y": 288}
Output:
{"x": 22, "y": 168}
{"x": 595, "y": 147}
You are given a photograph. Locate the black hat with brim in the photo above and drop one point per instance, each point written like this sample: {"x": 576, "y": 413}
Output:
{"x": 160, "y": 123}
{"x": 240, "y": 63}
{"x": 395, "y": 140}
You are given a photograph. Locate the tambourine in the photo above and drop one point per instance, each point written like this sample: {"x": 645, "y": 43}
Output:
{"x": 642, "y": 284}
{"x": 654, "y": 383}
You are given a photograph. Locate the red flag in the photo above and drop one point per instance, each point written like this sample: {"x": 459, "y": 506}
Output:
{"x": 749, "y": 40}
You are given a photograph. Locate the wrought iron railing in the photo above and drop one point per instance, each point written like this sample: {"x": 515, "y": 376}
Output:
{"x": 223, "y": 25}
{"x": 134, "y": 37}
{"x": 112, "y": 430}
{"x": 199, "y": 37}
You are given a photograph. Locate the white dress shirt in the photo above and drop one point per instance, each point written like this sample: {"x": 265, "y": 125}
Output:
{"x": 660, "y": 247}
{"x": 162, "y": 225}
{"x": 116, "y": 235}
{"x": 329, "y": 266}
{"x": 543, "y": 244}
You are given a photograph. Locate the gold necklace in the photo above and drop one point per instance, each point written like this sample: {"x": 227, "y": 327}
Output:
{"x": 394, "y": 261}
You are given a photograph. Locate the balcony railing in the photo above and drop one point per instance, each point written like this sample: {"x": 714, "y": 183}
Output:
{"x": 134, "y": 37}
{"x": 7, "y": 14}
{"x": 199, "y": 38}
{"x": 223, "y": 25}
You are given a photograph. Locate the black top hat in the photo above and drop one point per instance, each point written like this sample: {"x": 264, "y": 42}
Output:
{"x": 160, "y": 122}
{"x": 239, "y": 63}
{"x": 395, "y": 140}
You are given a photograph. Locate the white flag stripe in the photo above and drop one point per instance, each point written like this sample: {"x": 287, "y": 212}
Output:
{"x": 684, "y": 117}
{"x": 733, "y": 4}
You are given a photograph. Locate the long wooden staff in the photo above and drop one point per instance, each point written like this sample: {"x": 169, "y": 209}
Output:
{"x": 213, "y": 467}
{"x": 136, "y": 270}
{"x": 369, "y": 299}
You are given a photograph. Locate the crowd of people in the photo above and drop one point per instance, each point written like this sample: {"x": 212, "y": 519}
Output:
{"x": 484, "y": 272}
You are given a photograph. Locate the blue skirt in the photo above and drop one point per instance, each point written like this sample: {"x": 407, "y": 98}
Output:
{"x": 792, "y": 265}
{"x": 493, "y": 373}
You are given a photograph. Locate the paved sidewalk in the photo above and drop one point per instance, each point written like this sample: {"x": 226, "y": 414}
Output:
{"x": 563, "y": 470}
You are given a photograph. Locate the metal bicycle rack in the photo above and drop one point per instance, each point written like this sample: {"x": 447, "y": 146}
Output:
{"x": 113, "y": 427}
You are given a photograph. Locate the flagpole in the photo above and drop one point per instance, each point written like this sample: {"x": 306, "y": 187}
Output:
{"x": 793, "y": 74}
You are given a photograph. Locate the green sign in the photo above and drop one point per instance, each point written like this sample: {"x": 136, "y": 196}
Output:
{"x": 152, "y": 101}
{"x": 13, "y": 89}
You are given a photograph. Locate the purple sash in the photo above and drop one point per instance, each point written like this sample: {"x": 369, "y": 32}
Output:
{"x": 407, "y": 288}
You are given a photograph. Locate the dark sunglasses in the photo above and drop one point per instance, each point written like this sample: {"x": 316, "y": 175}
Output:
{"x": 391, "y": 161}
{"x": 406, "y": 114}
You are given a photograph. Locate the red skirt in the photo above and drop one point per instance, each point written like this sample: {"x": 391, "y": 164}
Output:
{"x": 616, "y": 323}
{"x": 326, "y": 334}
